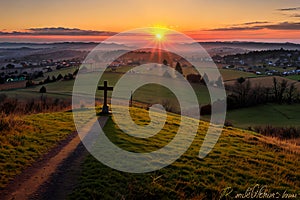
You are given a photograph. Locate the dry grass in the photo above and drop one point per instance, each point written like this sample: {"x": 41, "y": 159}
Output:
{"x": 267, "y": 81}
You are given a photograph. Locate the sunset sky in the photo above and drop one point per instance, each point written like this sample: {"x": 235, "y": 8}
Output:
{"x": 77, "y": 20}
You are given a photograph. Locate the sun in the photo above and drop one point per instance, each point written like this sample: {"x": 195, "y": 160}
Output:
{"x": 159, "y": 33}
{"x": 159, "y": 36}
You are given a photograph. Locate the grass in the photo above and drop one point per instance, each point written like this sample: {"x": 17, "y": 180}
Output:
{"x": 28, "y": 137}
{"x": 63, "y": 90}
{"x": 269, "y": 114}
{"x": 267, "y": 81}
{"x": 294, "y": 77}
{"x": 228, "y": 74}
{"x": 239, "y": 160}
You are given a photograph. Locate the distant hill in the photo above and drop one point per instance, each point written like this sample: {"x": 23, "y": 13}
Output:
{"x": 10, "y": 50}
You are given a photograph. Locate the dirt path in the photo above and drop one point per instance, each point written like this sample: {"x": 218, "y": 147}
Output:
{"x": 53, "y": 177}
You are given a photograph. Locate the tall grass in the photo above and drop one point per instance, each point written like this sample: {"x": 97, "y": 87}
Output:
{"x": 12, "y": 111}
{"x": 10, "y": 106}
{"x": 279, "y": 132}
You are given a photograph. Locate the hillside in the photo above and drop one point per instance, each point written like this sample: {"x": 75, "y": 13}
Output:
{"x": 26, "y": 139}
{"x": 240, "y": 159}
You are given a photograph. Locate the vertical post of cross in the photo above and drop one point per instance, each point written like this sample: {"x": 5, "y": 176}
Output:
{"x": 105, "y": 88}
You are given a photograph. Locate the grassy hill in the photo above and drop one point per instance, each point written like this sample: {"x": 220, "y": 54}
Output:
{"x": 24, "y": 139}
{"x": 240, "y": 159}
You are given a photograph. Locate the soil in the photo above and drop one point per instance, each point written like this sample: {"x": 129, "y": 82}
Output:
{"x": 55, "y": 175}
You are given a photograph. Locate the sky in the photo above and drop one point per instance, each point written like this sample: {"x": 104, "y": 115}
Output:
{"x": 203, "y": 20}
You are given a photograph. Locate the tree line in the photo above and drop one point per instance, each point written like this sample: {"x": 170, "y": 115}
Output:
{"x": 242, "y": 94}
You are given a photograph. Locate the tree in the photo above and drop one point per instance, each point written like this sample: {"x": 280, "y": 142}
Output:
{"x": 165, "y": 62}
{"x": 40, "y": 74}
{"x": 241, "y": 80}
{"x": 219, "y": 82}
{"x": 47, "y": 80}
{"x": 242, "y": 89}
{"x": 167, "y": 74}
{"x": 59, "y": 77}
{"x": 2, "y": 80}
{"x": 193, "y": 78}
{"x": 205, "y": 79}
{"x": 53, "y": 78}
{"x": 275, "y": 88}
{"x": 29, "y": 83}
{"x": 178, "y": 68}
{"x": 10, "y": 66}
{"x": 43, "y": 89}
{"x": 75, "y": 72}
{"x": 279, "y": 89}
{"x": 283, "y": 87}
{"x": 291, "y": 93}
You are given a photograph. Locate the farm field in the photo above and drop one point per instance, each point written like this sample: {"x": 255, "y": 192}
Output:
{"x": 228, "y": 74}
{"x": 243, "y": 118}
{"x": 269, "y": 114}
{"x": 63, "y": 89}
{"x": 294, "y": 77}
{"x": 267, "y": 81}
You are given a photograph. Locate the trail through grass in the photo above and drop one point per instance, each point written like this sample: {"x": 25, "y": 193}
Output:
{"x": 239, "y": 160}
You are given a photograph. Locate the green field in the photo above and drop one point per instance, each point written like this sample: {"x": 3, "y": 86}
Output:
{"x": 269, "y": 114}
{"x": 261, "y": 115}
{"x": 294, "y": 77}
{"x": 239, "y": 160}
{"x": 228, "y": 74}
{"x": 63, "y": 90}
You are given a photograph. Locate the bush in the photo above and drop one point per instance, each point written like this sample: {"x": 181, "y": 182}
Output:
{"x": 59, "y": 77}
{"x": 205, "y": 110}
{"x": 29, "y": 83}
{"x": 228, "y": 123}
{"x": 193, "y": 78}
{"x": 43, "y": 89}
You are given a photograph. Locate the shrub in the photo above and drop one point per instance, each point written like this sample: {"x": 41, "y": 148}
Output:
{"x": 279, "y": 132}
{"x": 43, "y": 89}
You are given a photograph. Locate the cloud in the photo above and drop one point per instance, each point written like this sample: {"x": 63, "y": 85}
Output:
{"x": 284, "y": 26}
{"x": 295, "y": 15}
{"x": 278, "y": 26}
{"x": 58, "y": 31}
{"x": 256, "y": 22}
{"x": 289, "y": 9}
{"x": 235, "y": 28}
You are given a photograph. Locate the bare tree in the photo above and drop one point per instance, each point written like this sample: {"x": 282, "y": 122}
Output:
{"x": 291, "y": 93}
{"x": 282, "y": 90}
{"x": 242, "y": 89}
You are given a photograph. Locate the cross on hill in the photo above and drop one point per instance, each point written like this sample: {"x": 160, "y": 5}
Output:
{"x": 105, "y": 88}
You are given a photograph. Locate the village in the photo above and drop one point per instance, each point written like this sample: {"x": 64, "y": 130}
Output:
{"x": 271, "y": 63}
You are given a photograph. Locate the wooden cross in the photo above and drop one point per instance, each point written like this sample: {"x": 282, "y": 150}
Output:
{"x": 105, "y": 88}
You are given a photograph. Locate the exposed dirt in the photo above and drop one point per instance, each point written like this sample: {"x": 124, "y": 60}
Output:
{"x": 55, "y": 175}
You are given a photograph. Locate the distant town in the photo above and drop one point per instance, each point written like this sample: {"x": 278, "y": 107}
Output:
{"x": 35, "y": 66}
{"x": 271, "y": 62}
